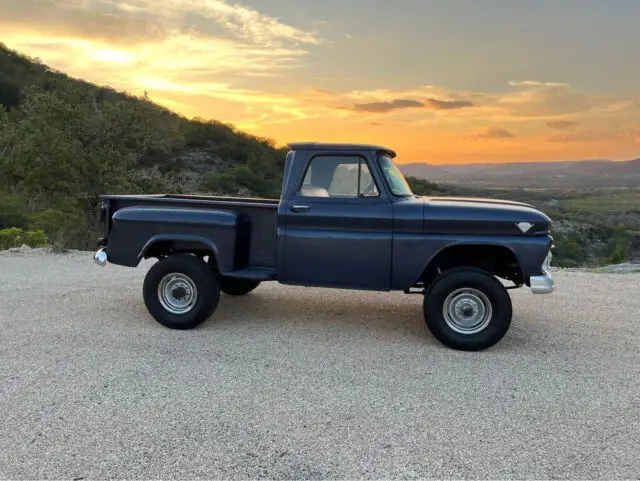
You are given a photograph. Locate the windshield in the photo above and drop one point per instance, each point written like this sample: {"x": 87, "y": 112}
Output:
{"x": 397, "y": 183}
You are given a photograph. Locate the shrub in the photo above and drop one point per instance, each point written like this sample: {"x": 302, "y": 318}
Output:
{"x": 15, "y": 237}
{"x": 619, "y": 253}
{"x": 11, "y": 237}
{"x": 35, "y": 238}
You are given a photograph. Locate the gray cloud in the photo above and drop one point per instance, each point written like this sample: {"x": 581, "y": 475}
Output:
{"x": 95, "y": 21}
{"x": 383, "y": 107}
{"x": 436, "y": 104}
{"x": 562, "y": 124}
{"x": 395, "y": 104}
{"x": 492, "y": 133}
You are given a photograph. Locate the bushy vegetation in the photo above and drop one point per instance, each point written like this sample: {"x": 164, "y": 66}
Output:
{"x": 424, "y": 187}
{"x": 63, "y": 142}
{"x": 16, "y": 237}
{"x": 595, "y": 228}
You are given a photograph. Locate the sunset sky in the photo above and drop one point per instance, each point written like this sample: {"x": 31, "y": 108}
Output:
{"x": 437, "y": 80}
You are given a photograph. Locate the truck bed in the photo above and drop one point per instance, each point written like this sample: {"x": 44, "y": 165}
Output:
{"x": 262, "y": 214}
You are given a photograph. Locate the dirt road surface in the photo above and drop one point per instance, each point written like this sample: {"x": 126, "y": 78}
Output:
{"x": 309, "y": 383}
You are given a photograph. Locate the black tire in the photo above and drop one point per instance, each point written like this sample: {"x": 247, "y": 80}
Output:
{"x": 237, "y": 287}
{"x": 198, "y": 274}
{"x": 480, "y": 287}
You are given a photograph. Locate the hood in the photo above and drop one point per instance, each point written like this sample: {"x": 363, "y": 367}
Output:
{"x": 462, "y": 215}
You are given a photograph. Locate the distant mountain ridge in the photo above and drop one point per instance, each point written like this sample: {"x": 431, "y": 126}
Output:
{"x": 571, "y": 174}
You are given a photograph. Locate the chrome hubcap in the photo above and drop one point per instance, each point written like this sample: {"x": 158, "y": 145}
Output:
{"x": 467, "y": 310}
{"x": 177, "y": 293}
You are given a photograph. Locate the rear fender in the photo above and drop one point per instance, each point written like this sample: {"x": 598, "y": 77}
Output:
{"x": 139, "y": 232}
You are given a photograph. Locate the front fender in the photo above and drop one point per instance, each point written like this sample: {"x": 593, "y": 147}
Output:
{"x": 413, "y": 253}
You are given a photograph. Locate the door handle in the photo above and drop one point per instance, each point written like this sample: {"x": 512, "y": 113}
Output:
{"x": 300, "y": 208}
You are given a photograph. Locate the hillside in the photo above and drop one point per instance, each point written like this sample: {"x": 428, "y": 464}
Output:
{"x": 64, "y": 141}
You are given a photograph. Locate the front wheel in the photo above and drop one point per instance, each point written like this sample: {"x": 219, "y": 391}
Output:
{"x": 467, "y": 309}
{"x": 181, "y": 291}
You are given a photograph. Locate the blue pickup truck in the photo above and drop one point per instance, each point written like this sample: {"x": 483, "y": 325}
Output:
{"x": 346, "y": 219}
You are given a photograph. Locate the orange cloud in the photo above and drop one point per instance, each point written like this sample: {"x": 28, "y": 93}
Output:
{"x": 536, "y": 83}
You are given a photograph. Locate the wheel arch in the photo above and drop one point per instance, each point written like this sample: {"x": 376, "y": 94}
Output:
{"x": 167, "y": 244}
{"x": 497, "y": 259}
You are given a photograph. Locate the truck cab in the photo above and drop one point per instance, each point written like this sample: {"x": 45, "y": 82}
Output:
{"x": 346, "y": 219}
{"x": 337, "y": 213}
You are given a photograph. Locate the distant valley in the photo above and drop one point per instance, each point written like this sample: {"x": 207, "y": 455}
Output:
{"x": 586, "y": 174}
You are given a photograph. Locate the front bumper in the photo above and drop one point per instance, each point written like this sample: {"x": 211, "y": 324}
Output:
{"x": 100, "y": 257}
{"x": 542, "y": 284}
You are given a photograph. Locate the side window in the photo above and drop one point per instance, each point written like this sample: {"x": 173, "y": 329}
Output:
{"x": 334, "y": 176}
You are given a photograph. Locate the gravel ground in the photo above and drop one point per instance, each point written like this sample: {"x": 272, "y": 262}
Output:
{"x": 309, "y": 383}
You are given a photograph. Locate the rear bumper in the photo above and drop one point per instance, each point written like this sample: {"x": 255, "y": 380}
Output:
{"x": 542, "y": 284}
{"x": 100, "y": 257}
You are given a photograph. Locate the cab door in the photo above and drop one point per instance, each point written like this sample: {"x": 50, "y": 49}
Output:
{"x": 339, "y": 226}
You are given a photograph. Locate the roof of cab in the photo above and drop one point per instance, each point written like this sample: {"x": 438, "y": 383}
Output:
{"x": 335, "y": 146}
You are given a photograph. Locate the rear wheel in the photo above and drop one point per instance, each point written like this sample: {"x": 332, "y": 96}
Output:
{"x": 181, "y": 291}
{"x": 237, "y": 287}
{"x": 467, "y": 309}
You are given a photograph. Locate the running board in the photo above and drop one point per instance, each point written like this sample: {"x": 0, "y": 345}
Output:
{"x": 254, "y": 273}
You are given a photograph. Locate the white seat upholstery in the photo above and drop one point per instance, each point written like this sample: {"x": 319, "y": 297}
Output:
{"x": 344, "y": 182}
{"x": 313, "y": 191}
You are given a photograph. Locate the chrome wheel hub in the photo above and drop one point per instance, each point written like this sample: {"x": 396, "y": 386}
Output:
{"x": 177, "y": 293}
{"x": 467, "y": 310}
